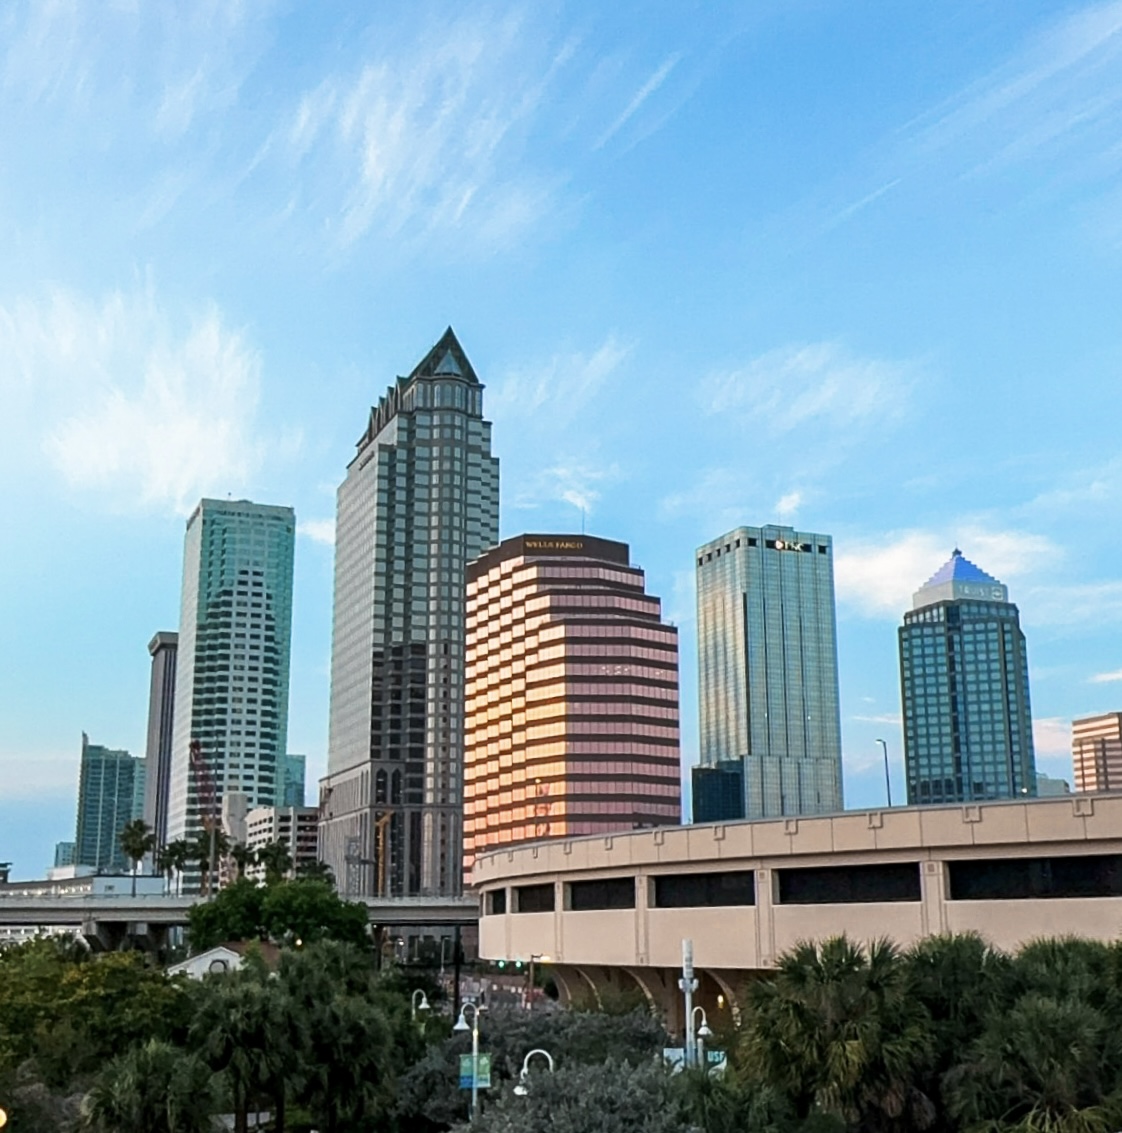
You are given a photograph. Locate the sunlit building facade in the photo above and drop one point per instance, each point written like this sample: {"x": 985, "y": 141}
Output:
{"x": 232, "y": 670}
{"x": 571, "y": 702}
{"x": 420, "y": 500}
{"x": 1096, "y": 752}
{"x": 965, "y": 690}
{"x": 768, "y": 671}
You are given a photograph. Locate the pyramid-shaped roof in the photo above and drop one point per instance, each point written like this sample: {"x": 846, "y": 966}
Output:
{"x": 958, "y": 568}
{"x": 958, "y": 577}
{"x": 446, "y": 359}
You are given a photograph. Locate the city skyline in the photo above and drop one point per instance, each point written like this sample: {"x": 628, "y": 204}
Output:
{"x": 843, "y": 269}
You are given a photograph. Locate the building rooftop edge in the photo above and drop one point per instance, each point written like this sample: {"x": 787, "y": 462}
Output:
{"x": 1048, "y": 800}
{"x": 545, "y": 546}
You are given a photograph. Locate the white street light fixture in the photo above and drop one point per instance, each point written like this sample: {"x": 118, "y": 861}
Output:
{"x": 703, "y": 1032}
{"x": 422, "y": 1006}
{"x": 522, "y": 1089}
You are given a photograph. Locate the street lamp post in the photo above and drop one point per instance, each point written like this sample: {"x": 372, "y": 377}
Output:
{"x": 521, "y": 1089}
{"x": 423, "y": 1005}
{"x": 887, "y": 780}
{"x": 688, "y": 985}
{"x": 703, "y": 1032}
{"x": 462, "y": 1025}
{"x": 530, "y": 975}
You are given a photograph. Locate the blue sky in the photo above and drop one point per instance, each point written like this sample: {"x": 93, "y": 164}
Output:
{"x": 852, "y": 266}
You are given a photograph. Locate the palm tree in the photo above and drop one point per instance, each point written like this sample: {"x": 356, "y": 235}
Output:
{"x": 246, "y": 1028}
{"x": 839, "y": 1033}
{"x": 960, "y": 981}
{"x": 175, "y": 856}
{"x": 152, "y": 1088}
{"x": 201, "y": 848}
{"x": 276, "y": 859}
{"x": 243, "y": 857}
{"x": 136, "y": 840}
{"x": 1044, "y": 1064}
{"x": 316, "y": 871}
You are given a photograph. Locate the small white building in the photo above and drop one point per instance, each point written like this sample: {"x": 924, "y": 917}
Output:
{"x": 223, "y": 958}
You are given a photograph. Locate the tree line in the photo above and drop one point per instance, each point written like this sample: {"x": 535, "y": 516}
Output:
{"x": 949, "y": 1036}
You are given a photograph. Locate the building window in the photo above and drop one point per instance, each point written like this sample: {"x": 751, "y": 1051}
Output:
{"x": 608, "y": 893}
{"x": 1097, "y": 875}
{"x": 534, "y": 898}
{"x": 494, "y": 902}
{"x": 849, "y": 884}
{"x": 697, "y": 890}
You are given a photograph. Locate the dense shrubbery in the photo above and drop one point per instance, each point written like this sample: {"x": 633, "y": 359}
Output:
{"x": 949, "y": 1037}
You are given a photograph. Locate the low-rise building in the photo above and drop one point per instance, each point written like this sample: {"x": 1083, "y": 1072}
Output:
{"x": 296, "y": 827}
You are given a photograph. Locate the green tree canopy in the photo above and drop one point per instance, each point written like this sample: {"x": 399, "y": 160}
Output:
{"x": 153, "y": 1088}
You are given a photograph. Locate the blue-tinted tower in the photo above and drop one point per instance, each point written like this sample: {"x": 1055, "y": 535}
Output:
{"x": 965, "y": 688}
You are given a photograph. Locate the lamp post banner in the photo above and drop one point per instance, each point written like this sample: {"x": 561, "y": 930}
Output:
{"x": 484, "y": 1082}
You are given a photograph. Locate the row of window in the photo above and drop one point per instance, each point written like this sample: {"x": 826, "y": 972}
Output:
{"x": 989, "y": 879}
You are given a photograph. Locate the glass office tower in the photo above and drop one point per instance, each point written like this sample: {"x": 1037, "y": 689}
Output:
{"x": 110, "y": 796}
{"x": 420, "y": 500}
{"x": 768, "y": 669}
{"x": 231, "y": 684}
{"x": 965, "y": 686}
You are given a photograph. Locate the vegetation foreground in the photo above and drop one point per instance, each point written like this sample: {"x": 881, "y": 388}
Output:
{"x": 948, "y": 1036}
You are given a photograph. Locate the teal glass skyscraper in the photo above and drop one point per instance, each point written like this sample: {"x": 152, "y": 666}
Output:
{"x": 965, "y": 687}
{"x": 110, "y": 796}
{"x": 420, "y": 500}
{"x": 768, "y": 670}
{"x": 231, "y": 682}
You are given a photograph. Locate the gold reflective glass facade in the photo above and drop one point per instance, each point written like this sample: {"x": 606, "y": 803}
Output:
{"x": 571, "y": 721}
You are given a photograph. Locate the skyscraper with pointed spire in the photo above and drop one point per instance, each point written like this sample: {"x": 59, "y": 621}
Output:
{"x": 965, "y": 688}
{"x": 420, "y": 500}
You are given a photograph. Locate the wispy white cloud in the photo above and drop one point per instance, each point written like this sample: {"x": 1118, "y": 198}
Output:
{"x": 878, "y": 577}
{"x": 184, "y": 62}
{"x": 1106, "y": 678}
{"x": 557, "y": 387}
{"x": 814, "y": 383}
{"x": 125, "y": 405}
{"x": 1051, "y": 735}
{"x": 40, "y": 775}
{"x": 575, "y": 481}
{"x": 428, "y": 136}
{"x": 1062, "y": 87}
{"x": 787, "y": 506}
{"x": 661, "y": 74}
{"x": 318, "y": 530}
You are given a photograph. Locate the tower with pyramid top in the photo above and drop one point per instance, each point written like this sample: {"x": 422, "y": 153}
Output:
{"x": 419, "y": 501}
{"x": 965, "y": 688}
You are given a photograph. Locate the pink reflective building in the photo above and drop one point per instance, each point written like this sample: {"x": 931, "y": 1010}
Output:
{"x": 571, "y": 702}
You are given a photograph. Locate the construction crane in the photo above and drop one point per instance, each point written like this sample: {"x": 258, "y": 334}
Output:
{"x": 208, "y": 809}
